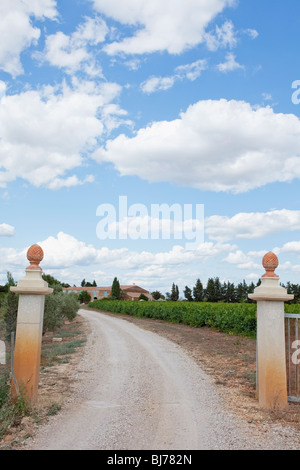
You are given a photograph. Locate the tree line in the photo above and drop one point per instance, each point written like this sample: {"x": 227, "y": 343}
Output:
{"x": 216, "y": 291}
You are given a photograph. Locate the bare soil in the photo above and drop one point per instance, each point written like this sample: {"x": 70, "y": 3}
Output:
{"x": 230, "y": 360}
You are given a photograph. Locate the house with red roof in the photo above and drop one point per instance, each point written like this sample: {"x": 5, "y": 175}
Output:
{"x": 131, "y": 292}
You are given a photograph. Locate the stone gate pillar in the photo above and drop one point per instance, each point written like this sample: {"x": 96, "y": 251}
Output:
{"x": 27, "y": 355}
{"x": 271, "y": 350}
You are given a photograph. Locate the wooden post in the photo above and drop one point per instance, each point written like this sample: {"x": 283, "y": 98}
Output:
{"x": 27, "y": 355}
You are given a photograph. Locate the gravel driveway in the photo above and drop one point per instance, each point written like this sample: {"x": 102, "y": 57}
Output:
{"x": 139, "y": 391}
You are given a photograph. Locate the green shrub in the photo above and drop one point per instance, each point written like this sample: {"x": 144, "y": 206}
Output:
{"x": 10, "y": 309}
{"x": 11, "y": 411}
{"x": 70, "y": 306}
{"x": 53, "y": 317}
{"x": 2, "y": 298}
{"x": 59, "y": 307}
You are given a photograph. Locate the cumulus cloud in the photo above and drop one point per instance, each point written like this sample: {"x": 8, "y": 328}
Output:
{"x": 65, "y": 251}
{"x": 291, "y": 248}
{"x": 45, "y": 133}
{"x": 169, "y": 25}
{"x": 72, "y": 52}
{"x": 214, "y": 145}
{"x": 242, "y": 260}
{"x": 148, "y": 227}
{"x": 17, "y": 32}
{"x": 251, "y": 225}
{"x": 7, "y": 230}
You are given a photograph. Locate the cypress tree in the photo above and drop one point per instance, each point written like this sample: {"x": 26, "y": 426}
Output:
{"x": 198, "y": 292}
{"x": 115, "y": 290}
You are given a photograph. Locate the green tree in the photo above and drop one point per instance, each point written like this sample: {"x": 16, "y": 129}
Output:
{"x": 295, "y": 290}
{"x": 84, "y": 297}
{"x": 83, "y": 283}
{"x": 70, "y": 306}
{"x": 250, "y": 291}
{"x": 10, "y": 305}
{"x": 210, "y": 290}
{"x": 188, "y": 294}
{"x": 143, "y": 297}
{"x": 218, "y": 289}
{"x": 53, "y": 317}
{"x": 228, "y": 292}
{"x": 242, "y": 291}
{"x": 116, "y": 292}
{"x": 198, "y": 291}
{"x": 156, "y": 295}
{"x": 174, "y": 293}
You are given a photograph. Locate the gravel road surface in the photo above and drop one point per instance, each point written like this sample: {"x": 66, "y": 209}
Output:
{"x": 139, "y": 391}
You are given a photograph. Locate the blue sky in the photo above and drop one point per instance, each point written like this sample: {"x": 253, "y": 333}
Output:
{"x": 185, "y": 102}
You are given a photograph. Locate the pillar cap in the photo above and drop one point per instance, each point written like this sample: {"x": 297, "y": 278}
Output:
{"x": 35, "y": 255}
{"x": 33, "y": 283}
{"x": 270, "y": 289}
{"x": 270, "y": 263}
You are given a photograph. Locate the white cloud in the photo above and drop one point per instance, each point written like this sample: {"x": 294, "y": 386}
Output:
{"x": 71, "y": 52}
{"x": 242, "y": 260}
{"x": 148, "y": 227}
{"x": 7, "y": 230}
{"x": 45, "y": 134}
{"x": 230, "y": 64}
{"x": 214, "y": 145}
{"x": 169, "y": 25}
{"x": 189, "y": 71}
{"x": 3, "y": 88}
{"x": 267, "y": 96}
{"x": 69, "y": 182}
{"x": 252, "y": 33}
{"x": 252, "y": 277}
{"x": 17, "y": 32}
{"x": 224, "y": 36}
{"x": 65, "y": 251}
{"x": 154, "y": 84}
{"x": 291, "y": 247}
{"x": 251, "y": 225}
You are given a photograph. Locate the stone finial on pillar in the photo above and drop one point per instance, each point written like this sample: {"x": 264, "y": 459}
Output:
{"x": 270, "y": 289}
{"x": 32, "y": 291}
{"x": 270, "y": 263}
{"x": 271, "y": 351}
{"x": 35, "y": 255}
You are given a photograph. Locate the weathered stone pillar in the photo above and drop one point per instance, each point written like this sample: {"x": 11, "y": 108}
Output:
{"x": 27, "y": 356}
{"x": 271, "y": 350}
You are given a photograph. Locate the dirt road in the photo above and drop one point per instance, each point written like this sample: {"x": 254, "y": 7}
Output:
{"x": 140, "y": 391}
